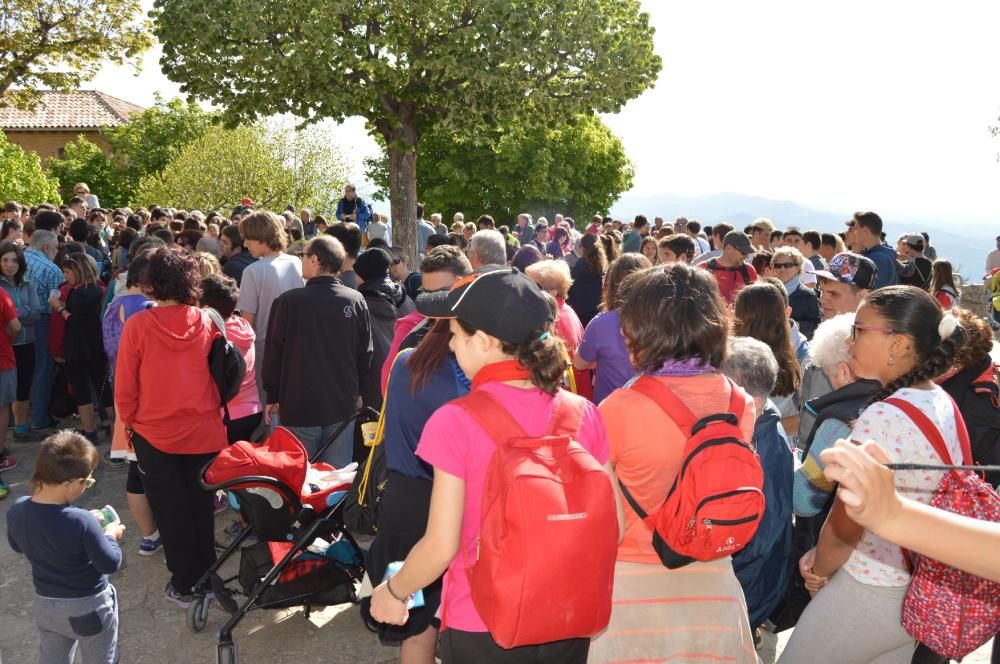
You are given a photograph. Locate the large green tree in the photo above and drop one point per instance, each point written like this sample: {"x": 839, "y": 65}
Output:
{"x": 22, "y": 178}
{"x": 84, "y": 161}
{"x": 273, "y": 166}
{"x": 409, "y": 66}
{"x": 576, "y": 169}
{"x": 59, "y": 44}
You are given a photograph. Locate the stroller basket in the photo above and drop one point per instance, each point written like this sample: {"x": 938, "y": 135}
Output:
{"x": 319, "y": 579}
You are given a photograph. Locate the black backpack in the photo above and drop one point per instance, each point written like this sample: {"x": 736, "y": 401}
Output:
{"x": 225, "y": 363}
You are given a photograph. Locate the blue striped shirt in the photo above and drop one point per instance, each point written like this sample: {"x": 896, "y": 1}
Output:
{"x": 43, "y": 273}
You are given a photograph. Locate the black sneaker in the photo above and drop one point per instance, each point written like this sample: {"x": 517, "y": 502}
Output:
{"x": 114, "y": 462}
{"x": 180, "y": 599}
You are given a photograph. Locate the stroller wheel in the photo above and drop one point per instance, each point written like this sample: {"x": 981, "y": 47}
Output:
{"x": 226, "y": 654}
{"x": 197, "y": 613}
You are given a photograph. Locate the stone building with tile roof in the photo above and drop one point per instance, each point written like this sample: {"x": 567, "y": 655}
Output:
{"x": 62, "y": 116}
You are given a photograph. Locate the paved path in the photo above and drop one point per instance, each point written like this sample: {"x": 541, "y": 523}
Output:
{"x": 154, "y": 631}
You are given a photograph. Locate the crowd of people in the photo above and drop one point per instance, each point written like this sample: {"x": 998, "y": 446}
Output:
{"x": 804, "y": 338}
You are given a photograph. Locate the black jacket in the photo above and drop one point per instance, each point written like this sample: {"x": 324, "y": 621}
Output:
{"x": 976, "y": 392}
{"x": 318, "y": 352}
{"x": 387, "y": 301}
{"x": 805, "y": 310}
{"x": 585, "y": 293}
{"x": 236, "y": 264}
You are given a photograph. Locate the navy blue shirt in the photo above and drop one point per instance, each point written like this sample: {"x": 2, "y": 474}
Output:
{"x": 885, "y": 260}
{"x": 406, "y": 413}
{"x": 70, "y": 555}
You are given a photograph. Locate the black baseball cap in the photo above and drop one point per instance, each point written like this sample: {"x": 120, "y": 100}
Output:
{"x": 503, "y": 303}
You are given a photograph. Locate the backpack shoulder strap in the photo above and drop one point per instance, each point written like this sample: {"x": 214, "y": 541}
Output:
{"x": 217, "y": 319}
{"x": 667, "y": 401}
{"x": 746, "y": 273}
{"x": 737, "y": 400}
{"x": 567, "y": 415}
{"x": 495, "y": 420}
{"x": 930, "y": 431}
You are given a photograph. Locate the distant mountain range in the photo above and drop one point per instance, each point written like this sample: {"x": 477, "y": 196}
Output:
{"x": 967, "y": 254}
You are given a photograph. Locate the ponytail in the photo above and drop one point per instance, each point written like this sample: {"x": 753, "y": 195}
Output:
{"x": 544, "y": 356}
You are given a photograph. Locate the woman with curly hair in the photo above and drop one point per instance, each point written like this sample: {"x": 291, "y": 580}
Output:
{"x": 901, "y": 338}
{"x": 171, "y": 409}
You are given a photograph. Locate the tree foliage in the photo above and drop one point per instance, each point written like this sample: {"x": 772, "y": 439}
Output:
{"x": 59, "y": 44}
{"x": 409, "y": 67}
{"x": 578, "y": 169}
{"x": 22, "y": 178}
{"x": 149, "y": 140}
{"x": 275, "y": 167}
{"x": 84, "y": 161}
{"x": 141, "y": 147}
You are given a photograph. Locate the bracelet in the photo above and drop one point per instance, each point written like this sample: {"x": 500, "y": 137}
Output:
{"x": 388, "y": 587}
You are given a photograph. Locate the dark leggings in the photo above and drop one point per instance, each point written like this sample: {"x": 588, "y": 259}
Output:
{"x": 243, "y": 428}
{"x": 24, "y": 355}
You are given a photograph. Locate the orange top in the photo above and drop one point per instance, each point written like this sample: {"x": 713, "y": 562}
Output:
{"x": 646, "y": 448}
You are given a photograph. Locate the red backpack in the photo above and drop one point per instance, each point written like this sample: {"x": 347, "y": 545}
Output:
{"x": 717, "y": 499}
{"x": 951, "y": 611}
{"x": 549, "y": 530}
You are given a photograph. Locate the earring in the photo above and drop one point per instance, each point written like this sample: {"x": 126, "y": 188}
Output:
{"x": 890, "y": 360}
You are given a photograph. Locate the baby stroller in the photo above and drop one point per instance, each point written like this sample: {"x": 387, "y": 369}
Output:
{"x": 304, "y": 555}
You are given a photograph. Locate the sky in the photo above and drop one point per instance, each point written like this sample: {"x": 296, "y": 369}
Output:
{"x": 848, "y": 105}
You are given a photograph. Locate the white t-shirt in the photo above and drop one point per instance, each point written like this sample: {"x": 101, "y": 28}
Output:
{"x": 875, "y": 561}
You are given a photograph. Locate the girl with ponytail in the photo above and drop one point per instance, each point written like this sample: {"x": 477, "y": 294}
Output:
{"x": 902, "y": 339}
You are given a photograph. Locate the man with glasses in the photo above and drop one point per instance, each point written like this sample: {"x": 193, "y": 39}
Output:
{"x": 318, "y": 354}
{"x": 864, "y": 236}
{"x": 442, "y": 267}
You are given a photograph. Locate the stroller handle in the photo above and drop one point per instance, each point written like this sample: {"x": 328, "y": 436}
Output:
{"x": 365, "y": 413}
{"x": 290, "y": 497}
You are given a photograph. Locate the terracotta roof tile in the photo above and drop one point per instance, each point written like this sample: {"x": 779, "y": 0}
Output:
{"x": 75, "y": 110}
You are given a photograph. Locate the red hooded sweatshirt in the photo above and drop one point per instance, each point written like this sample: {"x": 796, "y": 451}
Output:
{"x": 163, "y": 389}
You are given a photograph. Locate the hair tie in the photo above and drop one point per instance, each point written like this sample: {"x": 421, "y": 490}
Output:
{"x": 545, "y": 335}
{"x": 947, "y": 326}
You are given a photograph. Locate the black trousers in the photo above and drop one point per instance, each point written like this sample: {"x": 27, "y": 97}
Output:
{"x": 183, "y": 511}
{"x": 243, "y": 428}
{"x": 458, "y": 647}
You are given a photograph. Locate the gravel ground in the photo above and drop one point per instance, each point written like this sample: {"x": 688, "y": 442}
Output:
{"x": 154, "y": 631}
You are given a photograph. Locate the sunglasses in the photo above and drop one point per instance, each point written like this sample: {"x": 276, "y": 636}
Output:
{"x": 783, "y": 266}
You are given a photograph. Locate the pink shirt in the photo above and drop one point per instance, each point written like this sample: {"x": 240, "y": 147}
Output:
{"x": 568, "y": 327}
{"x": 247, "y": 400}
{"x": 404, "y": 326}
{"x": 454, "y": 442}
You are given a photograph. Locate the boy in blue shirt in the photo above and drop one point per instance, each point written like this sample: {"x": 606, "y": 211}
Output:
{"x": 71, "y": 556}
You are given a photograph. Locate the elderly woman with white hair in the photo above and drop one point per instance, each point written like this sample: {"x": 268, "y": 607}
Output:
{"x": 835, "y": 413}
{"x": 762, "y": 567}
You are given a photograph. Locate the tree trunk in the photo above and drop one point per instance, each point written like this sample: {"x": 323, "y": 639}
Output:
{"x": 403, "y": 200}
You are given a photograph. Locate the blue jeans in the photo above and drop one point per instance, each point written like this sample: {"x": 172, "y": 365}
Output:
{"x": 41, "y": 382}
{"x": 339, "y": 453}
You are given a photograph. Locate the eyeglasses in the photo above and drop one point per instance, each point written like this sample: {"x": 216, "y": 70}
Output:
{"x": 783, "y": 266}
{"x": 87, "y": 481}
{"x": 869, "y": 328}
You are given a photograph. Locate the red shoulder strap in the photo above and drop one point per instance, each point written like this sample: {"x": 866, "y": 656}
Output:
{"x": 567, "y": 415}
{"x": 931, "y": 432}
{"x": 495, "y": 420}
{"x": 666, "y": 400}
{"x": 737, "y": 400}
